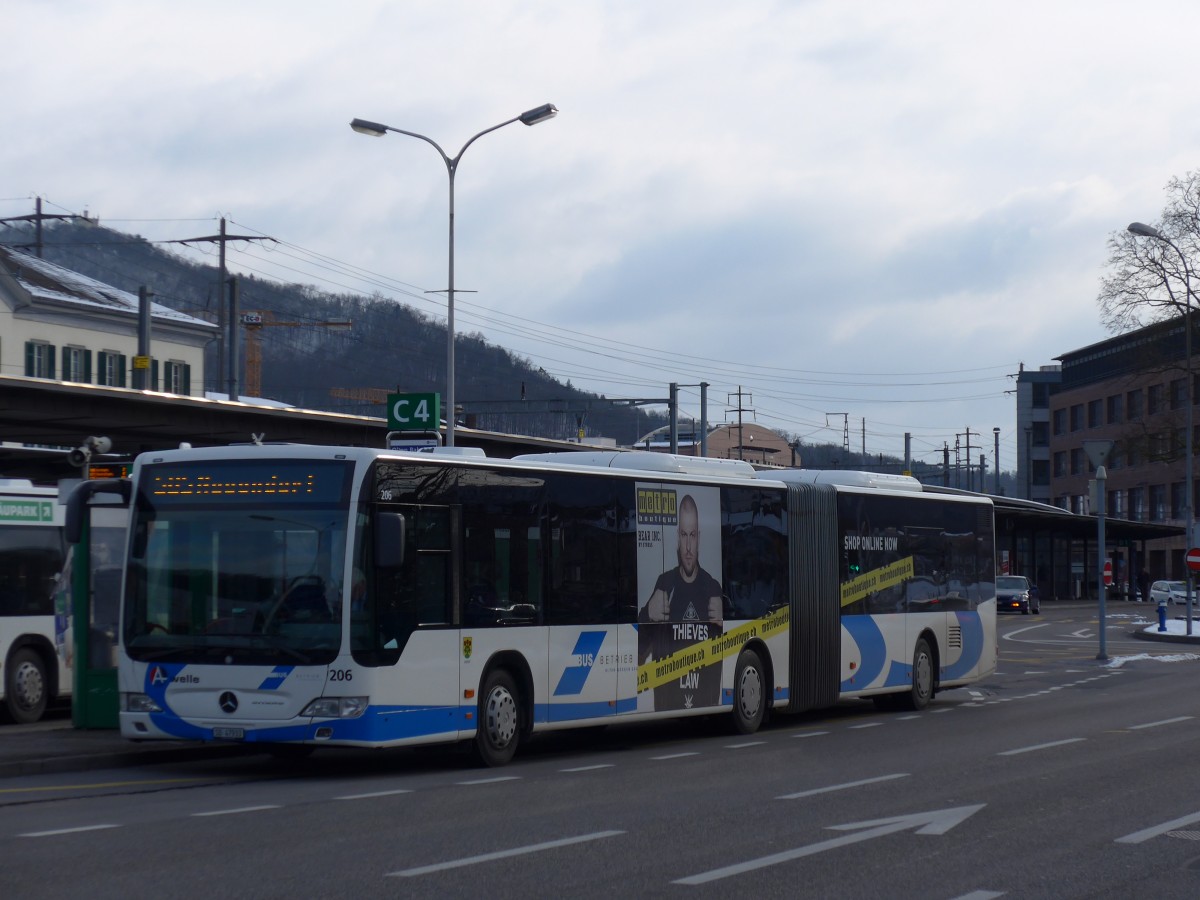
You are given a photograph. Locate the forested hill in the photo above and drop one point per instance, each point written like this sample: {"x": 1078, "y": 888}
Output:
{"x": 389, "y": 346}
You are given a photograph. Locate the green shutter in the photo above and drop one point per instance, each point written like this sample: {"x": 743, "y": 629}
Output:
{"x": 87, "y": 366}
{"x": 153, "y": 385}
{"x": 29, "y": 359}
{"x": 50, "y": 367}
{"x": 122, "y": 362}
{"x": 187, "y": 379}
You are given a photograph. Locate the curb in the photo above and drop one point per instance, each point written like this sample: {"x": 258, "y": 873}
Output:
{"x": 1166, "y": 637}
{"x": 117, "y": 759}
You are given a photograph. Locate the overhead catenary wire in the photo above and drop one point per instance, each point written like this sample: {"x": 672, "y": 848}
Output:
{"x": 784, "y": 393}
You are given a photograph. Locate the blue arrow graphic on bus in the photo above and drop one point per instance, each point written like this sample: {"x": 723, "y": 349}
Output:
{"x": 872, "y": 650}
{"x": 574, "y": 677}
{"x": 275, "y": 678}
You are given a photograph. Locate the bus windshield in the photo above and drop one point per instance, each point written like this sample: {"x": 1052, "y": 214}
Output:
{"x": 238, "y": 563}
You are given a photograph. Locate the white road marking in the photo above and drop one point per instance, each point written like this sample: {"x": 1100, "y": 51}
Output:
{"x": 1163, "y": 722}
{"x": 67, "y": 830}
{"x": 842, "y": 787}
{"x": 495, "y": 780}
{"x": 503, "y": 854}
{"x": 1013, "y": 634}
{"x": 866, "y": 725}
{"x": 232, "y": 812}
{"x": 744, "y": 745}
{"x": 675, "y": 755}
{"x": 981, "y": 895}
{"x": 589, "y": 768}
{"x": 809, "y": 734}
{"x": 374, "y": 794}
{"x": 1040, "y": 747}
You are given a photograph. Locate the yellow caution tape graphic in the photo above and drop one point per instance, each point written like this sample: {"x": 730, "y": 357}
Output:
{"x": 705, "y": 653}
{"x": 877, "y": 580}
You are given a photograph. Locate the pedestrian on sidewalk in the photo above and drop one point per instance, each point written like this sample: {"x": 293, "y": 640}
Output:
{"x": 1143, "y": 585}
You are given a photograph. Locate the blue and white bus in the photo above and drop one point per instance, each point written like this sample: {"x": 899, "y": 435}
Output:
{"x": 308, "y": 595}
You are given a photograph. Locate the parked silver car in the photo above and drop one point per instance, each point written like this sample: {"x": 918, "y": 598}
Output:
{"x": 1014, "y": 594}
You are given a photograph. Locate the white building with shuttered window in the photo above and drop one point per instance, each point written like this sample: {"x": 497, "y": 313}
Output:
{"x": 63, "y": 326}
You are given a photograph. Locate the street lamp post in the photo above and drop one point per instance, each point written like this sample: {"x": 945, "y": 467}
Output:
{"x": 375, "y": 129}
{"x": 1142, "y": 230}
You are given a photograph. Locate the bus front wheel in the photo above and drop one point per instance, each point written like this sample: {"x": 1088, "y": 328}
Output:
{"x": 499, "y": 728}
{"x": 749, "y": 693}
{"x": 26, "y": 688}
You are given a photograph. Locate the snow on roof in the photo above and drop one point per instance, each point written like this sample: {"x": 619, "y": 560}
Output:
{"x": 47, "y": 281}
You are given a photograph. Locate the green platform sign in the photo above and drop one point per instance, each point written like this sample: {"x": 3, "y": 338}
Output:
{"x": 414, "y": 412}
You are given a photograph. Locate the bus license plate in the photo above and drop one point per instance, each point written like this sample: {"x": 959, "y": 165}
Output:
{"x": 229, "y": 734}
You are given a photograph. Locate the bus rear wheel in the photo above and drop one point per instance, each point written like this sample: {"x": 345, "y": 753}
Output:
{"x": 499, "y": 727}
{"x": 749, "y": 693}
{"x": 921, "y": 692}
{"x": 26, "y": 689}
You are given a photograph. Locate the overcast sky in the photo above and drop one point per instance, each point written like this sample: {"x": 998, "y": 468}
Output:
{"x": 872, "y": 210}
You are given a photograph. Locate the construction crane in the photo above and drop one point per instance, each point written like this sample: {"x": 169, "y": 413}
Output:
{"x": 255, "y": 320}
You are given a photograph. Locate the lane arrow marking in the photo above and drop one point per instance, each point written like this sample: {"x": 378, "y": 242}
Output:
{"x": 937, "y": 821}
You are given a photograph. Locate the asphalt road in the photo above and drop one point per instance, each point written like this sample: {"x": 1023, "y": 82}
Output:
{"x": 1061, "y": 776}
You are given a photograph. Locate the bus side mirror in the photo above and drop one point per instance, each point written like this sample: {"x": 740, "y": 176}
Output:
{"x": 389, "y": 539}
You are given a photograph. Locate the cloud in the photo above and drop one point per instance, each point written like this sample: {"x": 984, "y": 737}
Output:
{"x": 751, "y": 193}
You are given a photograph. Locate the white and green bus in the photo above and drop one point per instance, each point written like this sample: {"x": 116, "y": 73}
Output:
{"x": 307, "y": 595}
{"x": 34, "y": 645}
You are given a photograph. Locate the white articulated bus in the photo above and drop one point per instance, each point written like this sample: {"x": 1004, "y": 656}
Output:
{"x": 310, "y": 595}
{"x": 34, "y": 649}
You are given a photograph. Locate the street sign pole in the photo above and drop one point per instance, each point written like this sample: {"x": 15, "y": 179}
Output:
{"x": 1097, "y": 453}
{"x": 1100, "y": 554}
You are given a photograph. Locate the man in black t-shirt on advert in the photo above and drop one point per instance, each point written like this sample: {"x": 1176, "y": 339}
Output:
{"x": 685, "y": 608}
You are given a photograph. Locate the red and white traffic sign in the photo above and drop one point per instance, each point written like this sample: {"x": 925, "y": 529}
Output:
{"x": 1108, "y": 571}
{"x": 1192, "y": 558}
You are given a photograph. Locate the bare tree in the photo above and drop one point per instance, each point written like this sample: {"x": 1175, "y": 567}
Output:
{"x": 1149, "y": 280}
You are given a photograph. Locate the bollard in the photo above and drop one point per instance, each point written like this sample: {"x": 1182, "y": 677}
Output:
{"x": 1162, "y": 616}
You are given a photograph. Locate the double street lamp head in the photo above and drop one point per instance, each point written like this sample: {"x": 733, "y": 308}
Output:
{"x": 529, "y": 117}
{"x": 378, "y": 129}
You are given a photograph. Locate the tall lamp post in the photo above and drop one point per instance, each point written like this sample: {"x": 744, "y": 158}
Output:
{"x": 1142, "y": 230}
{"x": 375, "y": 129}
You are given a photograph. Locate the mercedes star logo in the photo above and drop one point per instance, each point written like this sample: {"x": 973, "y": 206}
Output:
{"x": 228, "y": 702}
